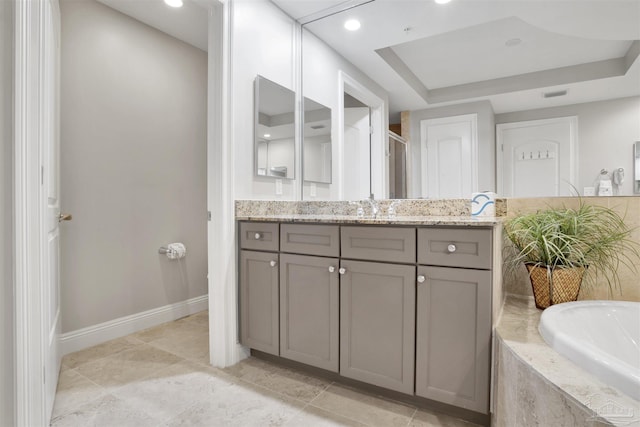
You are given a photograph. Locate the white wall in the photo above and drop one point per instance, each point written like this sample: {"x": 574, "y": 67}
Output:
{"x": 486, "y": 142}
{"x": 133, "y": 166}
{"x": 320, "y": 82}
{"x": 6, "y": 201}
{"x": 263, "y": 43}
{"x": 606, "y": 133}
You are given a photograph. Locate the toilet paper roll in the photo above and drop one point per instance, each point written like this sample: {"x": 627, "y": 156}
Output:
{"x": 483, "y": 204}
{"x": 176, "y": 251}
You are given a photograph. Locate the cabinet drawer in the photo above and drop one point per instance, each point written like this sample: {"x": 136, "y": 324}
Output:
{"x": 259, "y": 235}
{"x": 308, "y": 239}
{"x": 390, "y": 244}
{"x": 455, "y": 247}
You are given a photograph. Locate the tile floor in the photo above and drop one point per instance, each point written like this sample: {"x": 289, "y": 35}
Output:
{"x": 161, "y": 377}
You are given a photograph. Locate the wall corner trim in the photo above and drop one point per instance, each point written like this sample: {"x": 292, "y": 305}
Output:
{"x": 102, "y": 332}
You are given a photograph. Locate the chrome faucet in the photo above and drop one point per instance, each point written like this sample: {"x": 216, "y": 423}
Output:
{"x": 374, "y": 206}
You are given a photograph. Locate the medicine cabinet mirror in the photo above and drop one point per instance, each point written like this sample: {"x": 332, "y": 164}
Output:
{"x": 317, "y": 142}
{"x": 274, "y": 131}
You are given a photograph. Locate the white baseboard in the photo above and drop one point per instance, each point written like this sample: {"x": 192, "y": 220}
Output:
{"x": 102, "y": 332}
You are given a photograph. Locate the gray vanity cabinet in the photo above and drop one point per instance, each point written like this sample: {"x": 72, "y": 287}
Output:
{"x": 259, "y": 301}
{"x": 377, "y": 323}
{"x": 309, "y": 294}
{"x": 453, "y": 319}
{"x": 309, "y": 304}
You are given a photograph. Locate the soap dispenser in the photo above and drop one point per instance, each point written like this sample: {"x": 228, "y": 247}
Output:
{"x": 605, "y": 188}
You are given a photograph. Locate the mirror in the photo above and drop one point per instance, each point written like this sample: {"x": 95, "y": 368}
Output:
{"x": 317, "y": 142}
{"x": 274, "y": 131}
{"x": 511, "y": 56}
{"x": 636, "y": 167}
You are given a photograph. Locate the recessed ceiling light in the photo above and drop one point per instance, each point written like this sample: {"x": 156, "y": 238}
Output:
{"x": 442, "y": 1}
{"x": 174, "y": 3}
{"x": 267, "y": 135}
{"x": 513, "y": 42}
{"x": 352, "y": 25}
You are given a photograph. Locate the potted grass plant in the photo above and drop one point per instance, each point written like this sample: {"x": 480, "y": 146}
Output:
{"x": 561, "y": 246}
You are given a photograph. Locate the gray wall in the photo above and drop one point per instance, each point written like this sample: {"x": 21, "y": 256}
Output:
{"x": 606, "y": 132}
{"x": 133, "y": 166}
{"x": 6, "y": 201}
{"x": 486, "y": 142}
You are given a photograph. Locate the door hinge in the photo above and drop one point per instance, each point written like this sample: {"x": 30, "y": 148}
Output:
{"x": 41, "y": 175}
{"x": 502, "y": 147}
{"x": 370, "y": 130}
{"x": 208, "y": 215}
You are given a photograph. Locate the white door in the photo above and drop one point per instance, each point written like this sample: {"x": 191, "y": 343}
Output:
{"x": 357, "y": 159}
{"x": 536, "y": 158}
{"x": 449, "y": 156}
{"x": 51, "y": 205}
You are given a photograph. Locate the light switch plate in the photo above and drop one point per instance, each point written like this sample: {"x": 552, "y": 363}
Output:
{"x": 312, "y": 190}
{"x": 278, "y": 187}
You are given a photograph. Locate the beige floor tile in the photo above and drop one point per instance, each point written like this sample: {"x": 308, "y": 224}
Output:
{"x": 127, "y": 366}
{"x": 424, "y": 418}
{"x": 289, "y": 382}
{"x": 192, "y": 325}
{"x": 78, "y": 358}
{"x": 243, "y": 404}
{"x": 173, "y": 390}
{"x": 316, "y": 417}
{"x": 188, "y": 346}
{"x": 106, "y": 411}
{"x": 364, "y": 408}
{"x": 74, "y": 390}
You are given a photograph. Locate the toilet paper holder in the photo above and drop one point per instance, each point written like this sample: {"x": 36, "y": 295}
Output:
{"x": 173, "y": 250}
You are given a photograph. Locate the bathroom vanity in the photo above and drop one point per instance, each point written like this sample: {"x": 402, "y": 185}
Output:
{"x": 404, "y": 304}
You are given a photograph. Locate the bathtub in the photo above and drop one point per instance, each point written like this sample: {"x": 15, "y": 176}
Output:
{"x": 602, "y": 337}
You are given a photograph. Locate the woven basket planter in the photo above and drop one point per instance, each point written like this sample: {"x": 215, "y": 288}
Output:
{"x": 554, "y": 285}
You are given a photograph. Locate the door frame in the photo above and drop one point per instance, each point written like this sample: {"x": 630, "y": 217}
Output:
{"x": 573, "y": 151}
{"x": 31, "y": 112}
{"x": 378, "y": 171}
{"x": 224, "y": 344}
{"x": 424, "y": 125}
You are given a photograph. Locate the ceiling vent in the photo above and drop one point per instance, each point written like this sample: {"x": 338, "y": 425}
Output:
{"x": 554, "y": 94}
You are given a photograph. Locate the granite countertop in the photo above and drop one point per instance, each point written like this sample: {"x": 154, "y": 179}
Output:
{"x": 518, "y": 330}
{"x": 398, "y": 220}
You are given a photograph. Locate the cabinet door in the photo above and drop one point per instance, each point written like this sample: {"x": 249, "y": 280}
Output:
{"x": 453, "y": 339}
{"x": 259, "y": 301}
{"x": 377, "y": 324}
{"x": 309, "y": 310}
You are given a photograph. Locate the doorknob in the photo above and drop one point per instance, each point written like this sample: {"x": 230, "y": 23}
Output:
{"x": 65, "y": 217}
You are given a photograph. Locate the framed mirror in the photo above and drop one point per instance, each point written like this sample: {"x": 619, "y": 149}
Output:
{"x": 274, "y": 130}
{"x": 317, "y": 142}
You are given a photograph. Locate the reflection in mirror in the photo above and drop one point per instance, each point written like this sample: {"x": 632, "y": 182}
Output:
{"x": 512, "y": 64}
{"x": 317, "y": 142}
{"x": 274, "y": 130}
{"x": 397, "y": 166}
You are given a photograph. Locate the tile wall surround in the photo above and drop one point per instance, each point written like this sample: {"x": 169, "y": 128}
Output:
{"x": 537, "y": 386}
{"x": 628, "y": 207}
